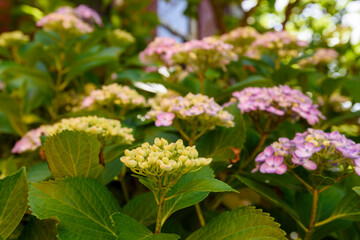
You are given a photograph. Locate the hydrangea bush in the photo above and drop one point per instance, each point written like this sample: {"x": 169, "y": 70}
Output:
{"x": 108, "y": 132}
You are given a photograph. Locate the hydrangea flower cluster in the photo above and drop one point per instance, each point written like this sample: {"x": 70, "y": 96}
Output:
{"x": 104, "y": 129}
{"x": 198, "y": 55}
{"x": 159, "y": 51}
{"x": 116, "y": 94}
{"x": 74, "y": 21}
{"x": 120, "y": 37}
{"x": 314, "y": 149}
{"x": 241, "y": 38}
{"x": 164, "y": 159}
{"x": 322, "y": 56}
{"x": 282, "y": 43}
{"x": 13, "y": 39}
{"x": 280, "y": 101}
{"x": 31, "y": 140}
{"x": 192, "y": 108}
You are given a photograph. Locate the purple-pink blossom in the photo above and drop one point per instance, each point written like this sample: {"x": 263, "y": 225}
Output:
{"x": 278, "y": 101}
{"x": 311, "y": 149}
{"x": 31, "y": 140}
{"x": 160, "y": 51}
{"x": 164, "y": 119}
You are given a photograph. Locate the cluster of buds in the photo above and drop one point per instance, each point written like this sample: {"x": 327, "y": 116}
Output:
{"x": 282, "y": 43}
{"x": 199, "y": 109}
{"x": 114, "y": 94}
{"x": 163, "y": 159}
{"x": 280, "y": 101}
{"x": 315, "y": 150}
{"x": 322, "y": 56}
{"x": 159, "y": 51}
{"x": 31, "y": 140}
{"x": 198, "y": 55}
{"x": 120, "y": 38}
{"x": 103, "y": 129}
{"x": 73, "y": 21}
{"x": 241, "y": 38}
{"x": 13, "y": 39}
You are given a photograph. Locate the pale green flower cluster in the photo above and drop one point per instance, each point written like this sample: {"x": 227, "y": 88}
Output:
{"x": 120, "y": 37}
{"x": 13, "y": 39}
{"x": 164, "y": 159}
{"x": 103, "y": 129}
{"x": 114, "y": 94}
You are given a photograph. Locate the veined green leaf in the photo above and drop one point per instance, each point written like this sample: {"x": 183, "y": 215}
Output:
{"x": 82, "y": 207}
{"x": 242, "y": 223}
{"x": 71, "y": 154}
{"x": 206, "y": 185}
{"x": 13, "y": 202}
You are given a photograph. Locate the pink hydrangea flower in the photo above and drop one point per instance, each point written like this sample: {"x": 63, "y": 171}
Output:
{"x": 279, "y": 101}
{"x": 273, "y": 164}
{"x": 164, "y": 119}
{"x": 31, "y": 140}
{"x": 309, "y": 150}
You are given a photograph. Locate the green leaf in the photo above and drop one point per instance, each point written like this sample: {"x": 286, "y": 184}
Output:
{"x": 319, "y": 180}
{"x": 186, "y": 199}
{"x": 348, "y": 208}
{"x": 82, "y": 207}
{"x": 357, "y": 190}
{"x": 206, "y": 185}
{"x": 217, "y": 144}
{"x": 143, "y": 213}
{"x": 71, "y": 154}
{"x": 12, "y": 112}
{"x": 252, "y": 81}
{"x": 269, "y": 195}
{"x": 37, "y": 229}
{"x": 88, "y": 61}
{"x": 39, "y": 172}
{"x": 242, "y": 223}
{"x": 128, "y": 228}
{"x": 13, "y": 202}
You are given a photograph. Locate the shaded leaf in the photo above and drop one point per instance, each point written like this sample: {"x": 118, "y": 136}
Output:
{"x": 37, "y": 229}
{"x": 143, "y": 213}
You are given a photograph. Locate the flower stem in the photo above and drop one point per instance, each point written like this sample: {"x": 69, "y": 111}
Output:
{"x": 312, "y": 221}
{"x": 160, "y": 210}
{"x": 200, "y": 215}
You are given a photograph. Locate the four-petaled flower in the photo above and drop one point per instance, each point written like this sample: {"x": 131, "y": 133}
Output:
{"x": 164, "y": 119}
{"x": 273, "y": 164}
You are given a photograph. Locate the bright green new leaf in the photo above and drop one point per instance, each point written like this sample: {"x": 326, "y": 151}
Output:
{"x": 206, "y": 185}
{"x": 128, "y": 228}
{"x": 242, "y": 223}
{"x": 72, "y": 154}
{"x": 186, "y": 199}
{"x": 82, "y": 207}
{"x": 13, "y": 202}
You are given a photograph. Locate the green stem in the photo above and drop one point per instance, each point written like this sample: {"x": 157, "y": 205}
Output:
{"x": 307, "y": 186}
{"x": 201, "y": 80}
{"x": 160, "y": 210}
{"x": 312, "y": 221}
{"x": 200, "y": 215}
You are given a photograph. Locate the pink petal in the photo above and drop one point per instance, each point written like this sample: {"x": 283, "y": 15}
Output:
{"x": 310, "y": 165}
